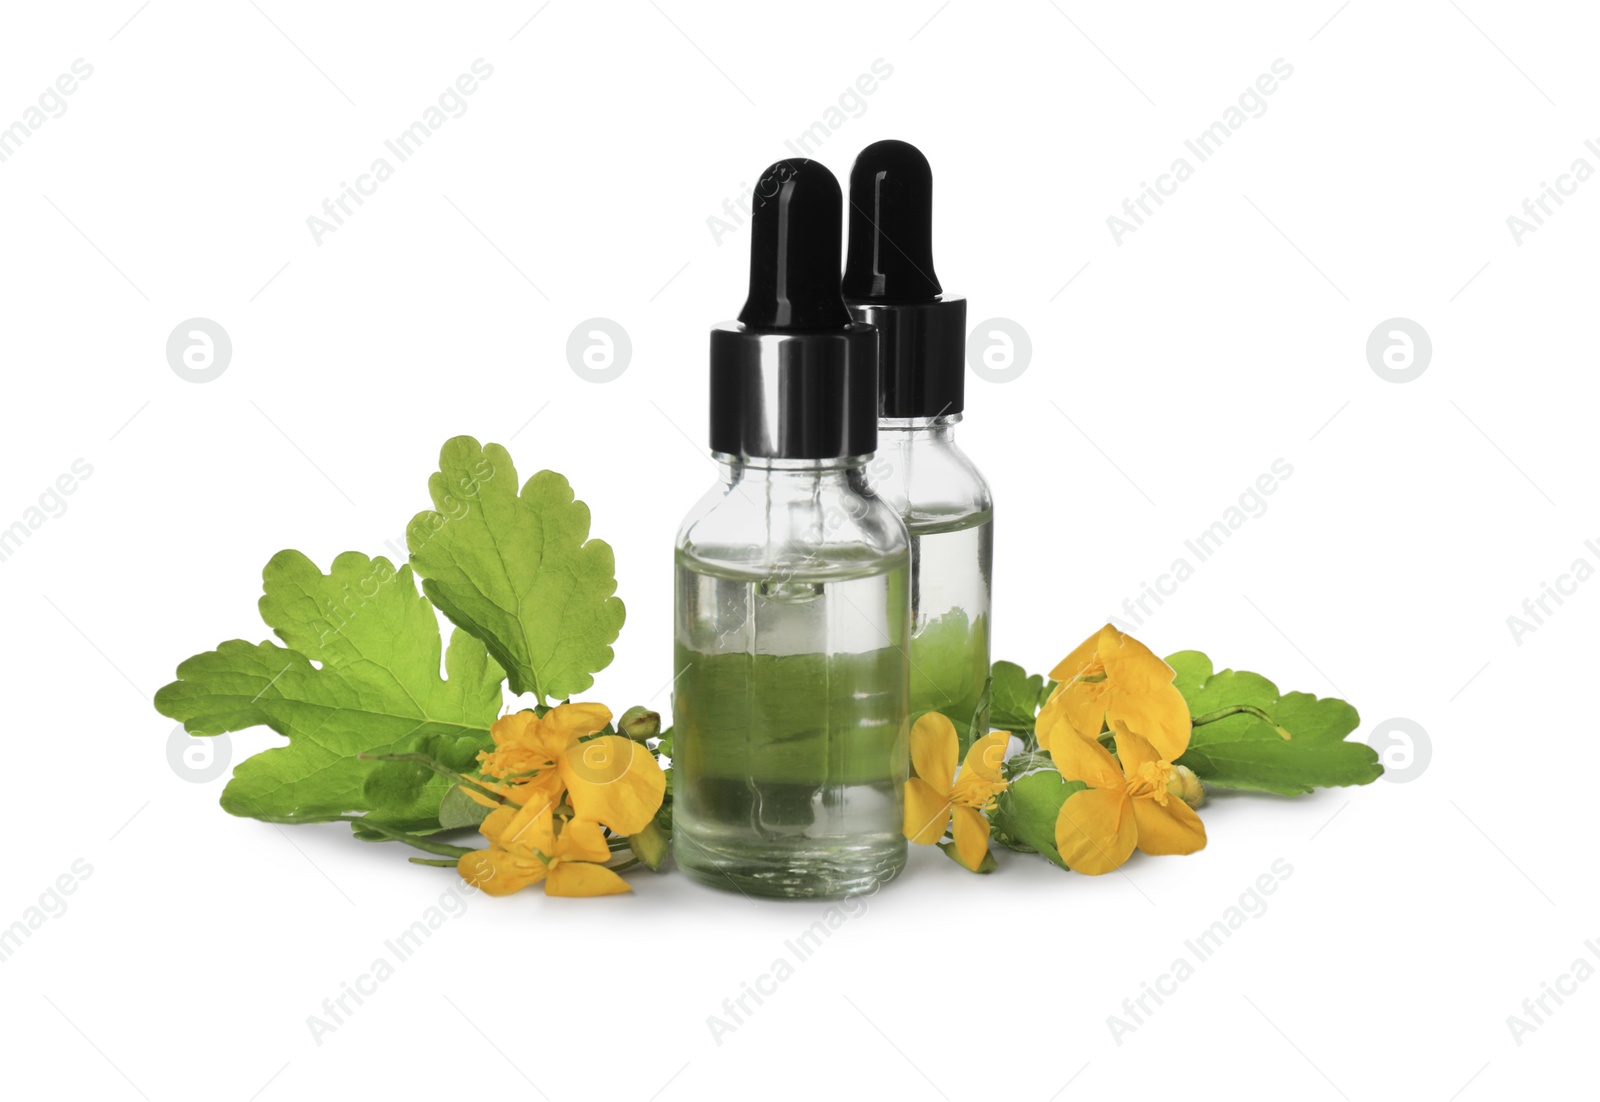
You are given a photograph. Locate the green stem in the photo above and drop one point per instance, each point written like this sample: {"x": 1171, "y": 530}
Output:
{"x": 1233, "y": 710}
{"x": 393, "y": 835}
{"x": 431, "y": 861}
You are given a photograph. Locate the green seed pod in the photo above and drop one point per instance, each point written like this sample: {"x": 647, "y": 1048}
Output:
{"x": 640, "y": 723}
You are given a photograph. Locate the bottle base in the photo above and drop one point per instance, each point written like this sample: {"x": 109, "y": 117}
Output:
{"x": 831, "y": 874}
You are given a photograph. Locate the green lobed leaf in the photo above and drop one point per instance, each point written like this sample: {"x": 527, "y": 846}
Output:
{"x": 1014, "y": 698}
{"x": 360, "y": 674}
{"x": 518, "y": 570}
{"x": 1025, "y": 814}
{"x": 458, "y": 810}
{"x": 1245, "y": 751}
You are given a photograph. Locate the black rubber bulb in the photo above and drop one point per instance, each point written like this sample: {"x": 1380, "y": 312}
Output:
{"x": 891, "y": 226}
{"x": 794, "y": 250}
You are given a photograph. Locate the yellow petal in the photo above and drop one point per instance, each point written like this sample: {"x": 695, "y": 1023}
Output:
{"x": 980, "y": 778}
{"x": 984, "y": 758}
{"x": 1158, "y": 713}
{"x": 1053, "y": 713}
{"x": 496, "y": 822}
{"x": 528, "y": 827}
{"x": 480, "y": 798}
{"x": 615, "y": 781}
{"x": 582, "y": 840}
{"x": 574, "y": 721}
{"x": 496, "y": 872}
{"x": 1079, "y": 705}
{"x": 487, "y": 801}
{"x": 1081, "y": 658}
{"x": 1083, "y": 706}
{"x": 972, "y": 837}
{"x": 933, "y": 749}
{"x": 1095, "y": 831}
{"x": 577, "y": 878}
{"x": 1143, "y": 697}
{"x": 1174, "y": 828}
{"x": 927, "y": 812}
{"x": 513, "y": 728}
{"x": 1127, "y": 659}
{"x": 1084, "y": 759}
{"x": 1134, "y": 751}
{"x": 546, "y": 788}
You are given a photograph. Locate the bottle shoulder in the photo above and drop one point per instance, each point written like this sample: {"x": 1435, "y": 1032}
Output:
{"x": 835, "y": 529}
{"x": 931, "y": 482}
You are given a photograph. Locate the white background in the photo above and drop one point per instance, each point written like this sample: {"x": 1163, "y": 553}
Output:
{"x": 1228, "y": 331}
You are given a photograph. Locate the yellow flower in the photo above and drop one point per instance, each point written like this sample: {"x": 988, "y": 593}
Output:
{"x": 526, "y": 744}
{"x": 1123, "y": 807}
{"x": 1114, "y": 680}
{"x": 937, "y": 793}
{"x": 525, "y": 849}
{"x": 610, "y": 779}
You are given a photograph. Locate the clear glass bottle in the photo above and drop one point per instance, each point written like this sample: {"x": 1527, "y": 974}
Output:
{"x": 790, "y": 701}
{"x": 889, "y": 283}
{"x": 793, "y": 605}
{"x": 948, "y": 511}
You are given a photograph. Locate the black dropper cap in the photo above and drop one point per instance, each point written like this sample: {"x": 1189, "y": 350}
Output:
{"x": 889, "y": 282}
{"x": 794, "y": 377}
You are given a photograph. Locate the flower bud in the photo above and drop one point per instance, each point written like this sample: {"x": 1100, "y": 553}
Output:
{"x": 1186, "y": 786}
{"x": 640, "y": 723}
{"x": 650, "y": 846}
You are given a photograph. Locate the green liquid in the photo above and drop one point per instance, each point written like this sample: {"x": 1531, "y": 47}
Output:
{"x": 805, "y": 720}
{"x": 789, "y": 732}
{"x": 949, "y": 667}
{"x": 950, "y": 577}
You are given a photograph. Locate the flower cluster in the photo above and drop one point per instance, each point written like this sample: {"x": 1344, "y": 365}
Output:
{"x": 552, "y": 783}
{"x": 939, "y": 796}
{"x": 1113, "y": 684}
{"x": 1112, "y": 691}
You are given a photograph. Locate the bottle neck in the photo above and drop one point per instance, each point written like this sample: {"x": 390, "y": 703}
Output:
{"x": 799, "y": 472}
{"x": 919, "y": 428}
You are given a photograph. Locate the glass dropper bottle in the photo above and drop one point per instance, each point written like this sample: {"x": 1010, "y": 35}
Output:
{"x": 889, "y": 282}
{"x": 792, "y": 595}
